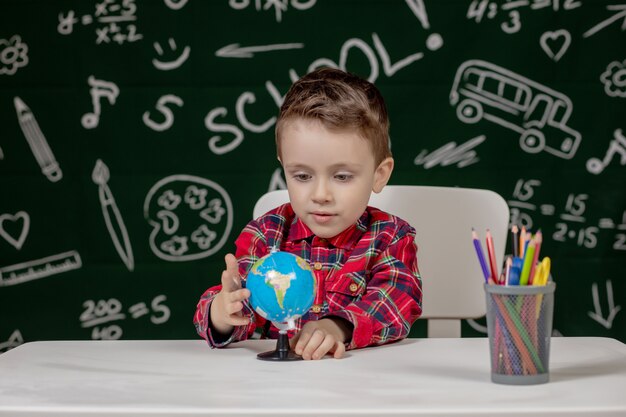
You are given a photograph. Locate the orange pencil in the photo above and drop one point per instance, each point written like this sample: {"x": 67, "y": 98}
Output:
{"x": 533, "y": 266}
{"x": 522, "y": 241}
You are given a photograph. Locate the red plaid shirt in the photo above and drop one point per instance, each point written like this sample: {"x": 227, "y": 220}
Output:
{"x": 366, "y": 275}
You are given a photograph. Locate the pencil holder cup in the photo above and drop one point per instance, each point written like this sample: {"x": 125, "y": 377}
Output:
{"x": 519, "y": 325}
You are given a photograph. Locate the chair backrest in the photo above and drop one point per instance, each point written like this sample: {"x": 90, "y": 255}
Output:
{"x": 443, "y": 218}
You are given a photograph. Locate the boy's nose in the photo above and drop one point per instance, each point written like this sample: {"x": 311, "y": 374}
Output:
{"x": 321, "y": 193}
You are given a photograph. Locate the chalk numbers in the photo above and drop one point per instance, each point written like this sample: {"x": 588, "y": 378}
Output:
{"x": 585, "y": 236}
{"x": 102, "y": 310}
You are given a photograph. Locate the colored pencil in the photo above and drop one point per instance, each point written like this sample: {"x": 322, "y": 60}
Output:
{"x": 522, "y": 240}
{"x": 491, "y": 253}
{"x": 533, "y": 265}
{"x": 480, "y": 255}
{"x": 515, "y": 240}
{"x": 528, "y": 259}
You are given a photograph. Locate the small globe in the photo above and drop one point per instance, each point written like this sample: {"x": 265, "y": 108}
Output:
{"x": 282, "y": 287}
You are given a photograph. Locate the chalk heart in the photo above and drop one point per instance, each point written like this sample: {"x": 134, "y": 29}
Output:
{"x": 555, "y": 44}
{"x": 10, "y": 223}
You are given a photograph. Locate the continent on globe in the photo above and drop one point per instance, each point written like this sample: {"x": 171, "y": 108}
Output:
{"x": 280, "y": 283}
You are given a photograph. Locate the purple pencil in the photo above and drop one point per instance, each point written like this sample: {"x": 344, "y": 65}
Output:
{"x": 481, "y": 256}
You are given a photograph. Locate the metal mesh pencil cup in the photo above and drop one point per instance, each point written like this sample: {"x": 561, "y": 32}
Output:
{"x": 519, "y": 324}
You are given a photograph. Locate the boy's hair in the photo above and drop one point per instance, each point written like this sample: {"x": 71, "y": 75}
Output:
{"x": 340, "y": 101}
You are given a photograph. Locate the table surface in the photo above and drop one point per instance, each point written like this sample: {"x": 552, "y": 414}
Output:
{"x": 421, "y": 377}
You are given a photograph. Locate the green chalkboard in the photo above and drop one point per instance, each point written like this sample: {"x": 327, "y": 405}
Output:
{"x": 136, "y": 136}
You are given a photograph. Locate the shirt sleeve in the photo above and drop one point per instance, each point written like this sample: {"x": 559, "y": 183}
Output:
{"x": 392, "y": 300}
{"x": 250, "y": 246}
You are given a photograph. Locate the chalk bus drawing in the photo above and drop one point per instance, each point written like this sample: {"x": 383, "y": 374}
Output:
{"x": 112, "y": 216}
{"x": 482, "y": 90}
{"x": 15, "y": 340}
{"x": 40, "y": 268}
{"x": 37, "y": 141}
{"x": 616, "y": 147}
{"x": 99, "y": 89}
{"x": 19, "y": 241}
{"x": 191, "y": 217}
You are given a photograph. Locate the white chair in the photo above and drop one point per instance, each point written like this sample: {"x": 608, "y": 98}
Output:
{"x": 443, "y": 218}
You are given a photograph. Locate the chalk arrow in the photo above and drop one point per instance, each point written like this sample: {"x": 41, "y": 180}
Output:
{"x": 617, "y": 16}
{"x": 597, "y": 314}
{"x": 235, "y": 51}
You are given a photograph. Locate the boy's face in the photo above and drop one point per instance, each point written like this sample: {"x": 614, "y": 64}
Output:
{"x": 330, "y": 175}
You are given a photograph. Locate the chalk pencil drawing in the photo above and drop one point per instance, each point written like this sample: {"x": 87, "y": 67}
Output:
{"x": 112, "y": 216}
{"x": 37, "y": 141}
{"x": 172, "y": 64}
{"x": 162, "y": 107}
{"x": 614, "y": 79}
{"x": 15, "y": 339}
{"x": 99, "y": 89}
{"x": 616, "y": 147}
{"x": 620, "y": 14}
{"x": 13, "y": 55}
{"x": 462, "y": 155}
{"x": 191, "y": 217}
{"x": 482, "y": 90}
{"x": 596, "y": 314}
{"x": 39, "y": 268}
{"x": 555, "y": 43}
{"x": 419, "y": 10}
{"x": 20, "y": 217}
{"x": 234, "y": 50}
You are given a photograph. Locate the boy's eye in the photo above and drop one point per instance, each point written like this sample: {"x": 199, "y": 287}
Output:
{"x": 301, "y": 177}
{"x": 343, "y": 177}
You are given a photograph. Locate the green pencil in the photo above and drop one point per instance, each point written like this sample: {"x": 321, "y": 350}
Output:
{"x": 529, "y": 255}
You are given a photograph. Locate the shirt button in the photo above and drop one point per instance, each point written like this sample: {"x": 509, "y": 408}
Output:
{"x": 353, "y": 287}
{"x": 317, "y": 266}
{"x": 316, "y": 308}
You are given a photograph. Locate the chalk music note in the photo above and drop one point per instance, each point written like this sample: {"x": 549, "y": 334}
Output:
{"x": 99, "y": 89}
{"x": 617, "y": 146}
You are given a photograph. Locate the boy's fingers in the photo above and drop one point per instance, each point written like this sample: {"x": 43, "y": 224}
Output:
{"x": 340, "y": 349}
{"x": 327, "y": 344}
{"x": 314, "y": 341}
{"x": 303, "y": 339}
{"x": 235, "y": 320}
{"x": 231, "y": 280}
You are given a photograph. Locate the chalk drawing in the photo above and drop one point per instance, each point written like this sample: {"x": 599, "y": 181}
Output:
{"x": 612, "y": 308}
{"x": 175, "y": 4}
{"x": 462, "y": 155}
{"x": 277, "y": 181}
{"x": 13, "y": 55}
{"x": 14, "y": 340}
{"x": 172, "y": 64}
{"x": 20, "y": 216}
{"x": 37, "y": 141}
{"x": 191, "y": 217}
{"x": 620, "y": 14}
{"x": 168, "y": 116}
{"x": 40, "y": 268}
{"x": 614, "y": 79}
{"x": 99, "y": 89}
{"x": 616, "y": 147}
{"x": 280, "y": 6}
{"x": 234, "y": 50}
{"x": 418, "y": 9}
{"x": 482, "y": 90}
{"x": 112, "y": 216}
{"x": 556, "y": 43}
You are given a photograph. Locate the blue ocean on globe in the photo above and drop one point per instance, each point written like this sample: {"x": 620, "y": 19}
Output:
{"x": 282, "y": 287}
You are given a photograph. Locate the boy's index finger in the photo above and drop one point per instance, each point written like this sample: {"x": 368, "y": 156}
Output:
{"x": 230, "y": 277}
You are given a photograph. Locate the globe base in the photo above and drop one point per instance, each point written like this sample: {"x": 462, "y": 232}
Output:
{"x": 282, "y": 352}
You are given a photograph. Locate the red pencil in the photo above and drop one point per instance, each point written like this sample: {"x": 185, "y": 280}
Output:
{"x": 491, "y": 254}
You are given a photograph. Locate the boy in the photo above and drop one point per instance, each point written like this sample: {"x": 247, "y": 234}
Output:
{"x": 332, "y": 141}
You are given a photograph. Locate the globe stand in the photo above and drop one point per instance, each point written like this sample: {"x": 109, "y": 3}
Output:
{"x": 282, "y": 352}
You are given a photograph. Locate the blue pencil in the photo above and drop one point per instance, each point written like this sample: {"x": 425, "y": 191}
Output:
{"x": 481, "y": 256}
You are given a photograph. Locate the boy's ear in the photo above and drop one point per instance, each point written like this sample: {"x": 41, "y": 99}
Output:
{"x": 382, "y": 174}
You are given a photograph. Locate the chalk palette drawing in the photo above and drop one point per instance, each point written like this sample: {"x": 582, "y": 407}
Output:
{"x": 175, "y": 4}
{"x": 616, "y": 147}
{"x": 98, "y": 89}
{"x": 614, "y": 79}
{"x": 234, "y": 50}
{"x": 18, "y": 222}
{"x": 112, "y": 216}
{"x": 555, "y": 43}
{"x": 449, "y": 154}
{"x": 277, "y": 182}
{"x": 37, "y": 141}
{"x": 39, "y": 268}
{"x": 620, "y": 13}
{"x": 597, "y": 315}
{"x": 13, "y": 55}
{"x": 280, "y": 6}
{"x": 14, "y": 340}
{"x": 482, "y": 90}
{"x": 171, "y": 64}
{"x": 113, "y": 19}
{"x": 104, "y": 317}
{"x": 191, "y": 217}
{"x": 162, "y": 107}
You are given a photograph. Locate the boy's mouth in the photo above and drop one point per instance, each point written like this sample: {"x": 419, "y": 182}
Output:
{"x": 322, "y": 217}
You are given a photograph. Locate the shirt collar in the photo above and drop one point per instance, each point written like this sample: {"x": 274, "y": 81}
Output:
{"x": 344, "y": 240}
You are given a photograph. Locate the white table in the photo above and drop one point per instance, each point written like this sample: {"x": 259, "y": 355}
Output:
{"x": 421, "y": 377}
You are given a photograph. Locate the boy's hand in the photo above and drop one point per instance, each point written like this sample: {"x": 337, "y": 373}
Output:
{"x": 228, "y": 303}
{"x": 317, "y": 338}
